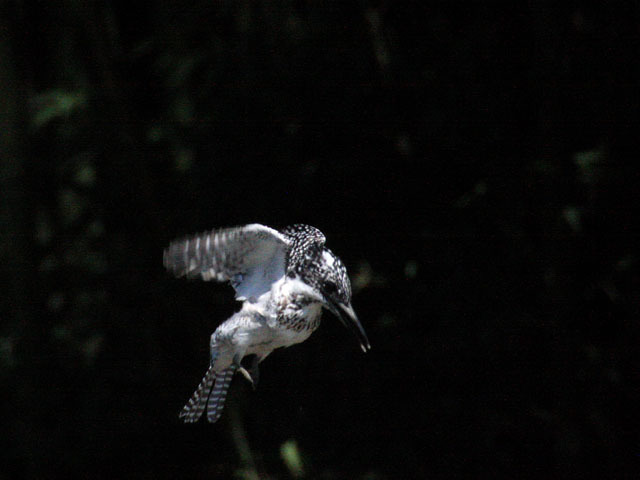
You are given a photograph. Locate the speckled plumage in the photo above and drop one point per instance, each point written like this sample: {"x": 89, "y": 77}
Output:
{"x": 283, "y": 278}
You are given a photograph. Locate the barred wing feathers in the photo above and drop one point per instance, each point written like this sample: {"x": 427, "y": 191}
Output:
{"x": 250, "y": 257}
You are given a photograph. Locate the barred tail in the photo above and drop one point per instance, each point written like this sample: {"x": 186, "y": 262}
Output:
{"x": 193, "y": 410}
{"x": 219, "y": 394}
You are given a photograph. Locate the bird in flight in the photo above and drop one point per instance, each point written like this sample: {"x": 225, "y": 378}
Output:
{"x": 282, "y": 277}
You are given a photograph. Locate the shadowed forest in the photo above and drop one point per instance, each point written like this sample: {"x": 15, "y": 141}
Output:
{"x": 474, "y": 164}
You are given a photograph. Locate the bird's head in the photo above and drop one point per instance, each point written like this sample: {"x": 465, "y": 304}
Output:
{"x": 327, "y": 275}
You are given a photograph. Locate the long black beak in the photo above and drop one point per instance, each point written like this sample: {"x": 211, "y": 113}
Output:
{"x": 348, "y": 317}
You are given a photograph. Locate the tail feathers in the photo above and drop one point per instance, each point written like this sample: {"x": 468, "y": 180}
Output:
{"x": 194, "y": 409}
{"x": 219, "y": 394}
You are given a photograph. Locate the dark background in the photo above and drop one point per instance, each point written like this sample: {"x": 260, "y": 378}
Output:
{"x": 474, "y": 164}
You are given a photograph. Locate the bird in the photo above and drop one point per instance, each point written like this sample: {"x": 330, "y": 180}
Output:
{"x": 284, "y": 279}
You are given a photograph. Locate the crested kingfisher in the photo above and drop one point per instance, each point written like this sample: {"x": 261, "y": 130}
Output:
{"x": 282, "y": 277}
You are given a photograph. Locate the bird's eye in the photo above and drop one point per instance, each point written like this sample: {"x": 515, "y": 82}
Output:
{"x": 329, "y": 288}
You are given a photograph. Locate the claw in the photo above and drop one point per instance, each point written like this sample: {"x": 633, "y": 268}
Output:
{"x": 255, "y": 372}
{"x": 252, "y": 375}
{"x": 245, "y": 374}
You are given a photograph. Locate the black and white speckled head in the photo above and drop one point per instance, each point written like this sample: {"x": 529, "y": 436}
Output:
{"x": 329, "y": 275}
{"x": 315, "y": 264}
{"x": 306, "y": 243}
{"x": 318, "y": 267}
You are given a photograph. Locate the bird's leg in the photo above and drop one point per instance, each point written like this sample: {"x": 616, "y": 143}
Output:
{"x": 243, "y": 371}
{"x": 253, "y": 374}
{"x": 255, "y": 371}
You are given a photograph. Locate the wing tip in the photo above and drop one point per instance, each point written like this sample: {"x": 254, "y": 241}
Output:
{"x": 177, "y": 258}
{"x": 171, "y": 263}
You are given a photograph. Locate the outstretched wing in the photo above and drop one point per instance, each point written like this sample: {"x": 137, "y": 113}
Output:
{"x": 250, "y": 257}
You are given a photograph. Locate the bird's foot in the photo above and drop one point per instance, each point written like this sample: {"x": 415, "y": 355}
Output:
{"x": 253, "y": 374}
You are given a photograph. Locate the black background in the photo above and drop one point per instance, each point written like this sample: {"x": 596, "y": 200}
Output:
{"x": 474, "y": 164}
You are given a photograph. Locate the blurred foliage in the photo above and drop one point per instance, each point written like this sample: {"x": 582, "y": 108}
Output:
{"x": 291, "y": 457}
{"x": 474, "y": 164}
{"x": 54, "y": 104}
